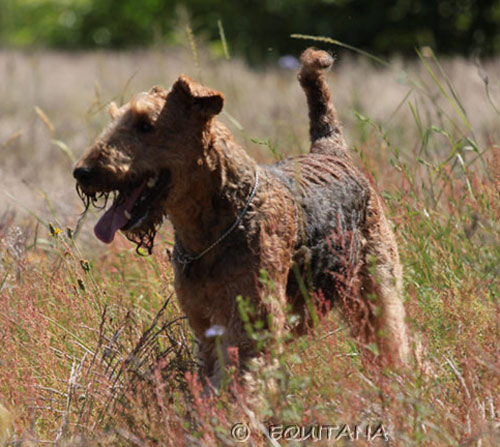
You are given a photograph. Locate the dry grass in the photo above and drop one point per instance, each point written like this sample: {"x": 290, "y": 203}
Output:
{"x": 90, "y": 350}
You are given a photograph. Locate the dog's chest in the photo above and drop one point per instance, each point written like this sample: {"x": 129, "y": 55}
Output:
{"x": 207, "y": 289}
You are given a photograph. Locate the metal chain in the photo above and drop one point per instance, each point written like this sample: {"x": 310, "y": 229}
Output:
{"x": 185, "y": 259}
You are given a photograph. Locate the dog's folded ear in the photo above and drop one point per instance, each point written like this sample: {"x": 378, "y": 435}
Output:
{"x": 206, "y": 101}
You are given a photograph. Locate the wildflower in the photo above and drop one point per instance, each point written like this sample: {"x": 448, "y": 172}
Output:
{"x": 215, "y": 331}
{"x": 54, "y": 231}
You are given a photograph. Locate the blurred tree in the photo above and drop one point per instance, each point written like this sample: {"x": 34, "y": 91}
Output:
{"x": 259, "y": 30}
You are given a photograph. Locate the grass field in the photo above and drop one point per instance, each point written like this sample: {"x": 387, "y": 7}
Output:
{"x": 93, "y": 347}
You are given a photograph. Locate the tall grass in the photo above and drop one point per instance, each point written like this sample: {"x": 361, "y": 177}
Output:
{"x": 94, "y": 349}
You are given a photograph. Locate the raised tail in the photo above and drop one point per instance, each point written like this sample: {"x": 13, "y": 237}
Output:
{"x": 323, "y": 122}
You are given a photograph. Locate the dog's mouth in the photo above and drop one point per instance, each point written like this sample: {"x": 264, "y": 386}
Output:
{"x": 132, "y": 208}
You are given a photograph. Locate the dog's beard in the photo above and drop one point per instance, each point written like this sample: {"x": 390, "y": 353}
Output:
{"x": 135, "y": 211}
{"x": 143, "y": 238}
{"x": 97, "y": 200}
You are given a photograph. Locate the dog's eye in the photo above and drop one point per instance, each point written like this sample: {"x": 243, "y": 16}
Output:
{"x": 144, "y": 126}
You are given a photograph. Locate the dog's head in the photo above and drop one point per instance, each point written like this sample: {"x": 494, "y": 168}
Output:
{"x": 147, "y": 158}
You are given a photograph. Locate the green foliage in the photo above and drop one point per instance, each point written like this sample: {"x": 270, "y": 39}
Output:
{"x": 259, "y": 30}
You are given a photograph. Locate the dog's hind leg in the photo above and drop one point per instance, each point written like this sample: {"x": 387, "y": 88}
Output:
{"x": 381, "y": 281}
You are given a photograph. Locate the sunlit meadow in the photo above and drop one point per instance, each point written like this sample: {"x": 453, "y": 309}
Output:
{"x": 93, "y": 347}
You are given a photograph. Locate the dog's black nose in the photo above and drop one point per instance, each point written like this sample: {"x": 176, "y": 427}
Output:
{"x": 84, "y": 174}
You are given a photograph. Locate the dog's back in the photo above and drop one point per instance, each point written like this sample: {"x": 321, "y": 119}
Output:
{"x": 331, "y": 200}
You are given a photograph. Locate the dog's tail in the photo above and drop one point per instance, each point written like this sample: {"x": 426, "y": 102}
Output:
{"x": 323, "y": 122}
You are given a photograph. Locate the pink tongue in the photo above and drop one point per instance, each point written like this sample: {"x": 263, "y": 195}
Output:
{"x": 114, "y": 218}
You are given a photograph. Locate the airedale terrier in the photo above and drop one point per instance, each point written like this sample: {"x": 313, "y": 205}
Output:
{"x": 312, "y": 221}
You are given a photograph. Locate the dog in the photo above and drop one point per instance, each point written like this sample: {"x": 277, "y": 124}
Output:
{"x": 277, "y": 235}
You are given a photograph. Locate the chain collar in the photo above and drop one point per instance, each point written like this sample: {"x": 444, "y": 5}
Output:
{"x": 185, "y": 259}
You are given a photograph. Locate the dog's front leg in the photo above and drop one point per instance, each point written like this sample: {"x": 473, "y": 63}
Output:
{"x": 228, "y": 346}
{"x": 225, "y": 352}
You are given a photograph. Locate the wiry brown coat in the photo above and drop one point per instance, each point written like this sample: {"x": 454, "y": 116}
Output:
{"x": 315, "y": 219}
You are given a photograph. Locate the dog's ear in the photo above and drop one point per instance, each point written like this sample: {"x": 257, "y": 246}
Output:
{"x": 205, "y": 101}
